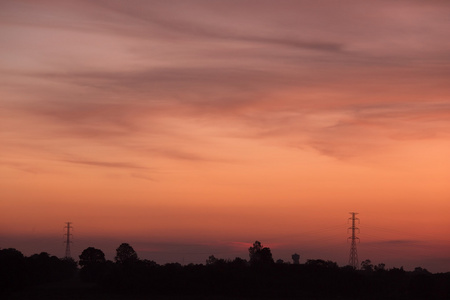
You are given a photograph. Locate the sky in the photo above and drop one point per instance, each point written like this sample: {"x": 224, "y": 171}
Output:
{"x": 194, "y": 128}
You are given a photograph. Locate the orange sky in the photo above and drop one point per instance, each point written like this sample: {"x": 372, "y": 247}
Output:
{"x": 194, "y": 128}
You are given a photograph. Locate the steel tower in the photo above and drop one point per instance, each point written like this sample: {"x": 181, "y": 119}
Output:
{"x": 353, "y": 258}
{"x": 68, "y": 241}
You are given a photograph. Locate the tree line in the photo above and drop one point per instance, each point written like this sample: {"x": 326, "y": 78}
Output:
{"x": 18, "y": 271}
{"x": 259, "y": 276}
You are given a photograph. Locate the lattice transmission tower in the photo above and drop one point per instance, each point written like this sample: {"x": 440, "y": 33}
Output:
{"x": 353, "y": 258}
{"x": 68, "y": 241}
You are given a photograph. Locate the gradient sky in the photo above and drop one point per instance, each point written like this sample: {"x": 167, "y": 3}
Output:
{"x": 192, "y": 128}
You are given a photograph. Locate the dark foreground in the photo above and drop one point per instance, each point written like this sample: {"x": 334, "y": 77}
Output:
{"x": 42, "y": 276}
{"x": 223, "y": 282}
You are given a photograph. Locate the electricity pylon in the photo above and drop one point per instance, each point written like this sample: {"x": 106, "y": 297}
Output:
{"x": 353, "y": 259}
{"x": 68, "y": 241}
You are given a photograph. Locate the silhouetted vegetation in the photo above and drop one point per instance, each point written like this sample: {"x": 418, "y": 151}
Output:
{"x": 259, "y": 255}
{"x": 93, "y": 265}
{"x": 125, "y": 254}
{"x": 259, "y": 277}
{"x": 18, "y": 271}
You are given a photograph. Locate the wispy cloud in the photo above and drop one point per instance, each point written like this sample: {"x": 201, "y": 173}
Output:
{"x": 141, "y": 176}
{"x": 22, "y": 167}
{"x": 277, "y": 75}
{"x": 395, "y": 242}
{"x": 120, "y": 165}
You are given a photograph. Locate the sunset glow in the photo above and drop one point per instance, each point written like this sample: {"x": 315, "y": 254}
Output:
{"x": 194, "y": 128}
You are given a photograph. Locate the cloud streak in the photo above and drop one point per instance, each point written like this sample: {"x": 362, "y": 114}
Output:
{"x": 395, "y": 242}
{"x": 119, "y": 165}
{"x": 211, "y": 84}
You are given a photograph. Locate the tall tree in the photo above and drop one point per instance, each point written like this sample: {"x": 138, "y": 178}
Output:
{"x": 125, "y": 254}
{"x": 91, "y": 256}
{"x": 260, "y": 255}
{"x": 93, "y": 263}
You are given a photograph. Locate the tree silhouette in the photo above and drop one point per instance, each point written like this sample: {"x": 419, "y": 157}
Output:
{"x": 380, "y": 267}
{"x": 218, "y": 279}
{"x": 320, "y": 263}
{"x": 93, "y": 263}
{"x": 12, "y": 269}
{"x": 367, "y": 265}
{"x": 125, "y": 254}
{"x": 260, "y": 255}
{"x": 91, "y": 256}
{"x": 211, "y": 260}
